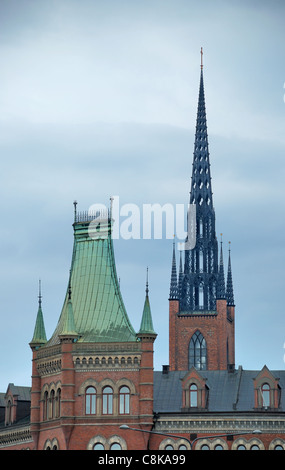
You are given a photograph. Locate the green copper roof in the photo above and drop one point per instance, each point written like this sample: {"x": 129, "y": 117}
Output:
{"x": 146, "y": 321}
{"x": 99, "y": 314}
{"x": 39, "y": 336}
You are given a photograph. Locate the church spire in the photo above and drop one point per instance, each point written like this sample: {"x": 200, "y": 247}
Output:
{"x": 221, "y": 289}
{"x": 200, "y": 276}
{"x": 230, "y": 289}
{"x": 201, "y": 191}
{"x": 173, "y": 294}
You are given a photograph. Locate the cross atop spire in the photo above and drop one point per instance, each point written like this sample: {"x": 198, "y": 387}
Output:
{"x": 201, "y": 58}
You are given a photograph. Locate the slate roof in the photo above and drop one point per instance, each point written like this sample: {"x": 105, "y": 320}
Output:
{"x": 23, "y": 393}
{"x": 228, "y": 391}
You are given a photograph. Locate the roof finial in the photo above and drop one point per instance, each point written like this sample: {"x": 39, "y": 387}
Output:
{"x": 146, "y": 287}
{"x": 201, "y": 58}
{"x": 75, "y": 204}
{"x": 40, "y": 293}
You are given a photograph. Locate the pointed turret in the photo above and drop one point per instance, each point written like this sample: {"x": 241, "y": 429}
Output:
{"x": 39, "y": 337}
{"x": 221, "y": 288}
{"x": 230, "y": 289}
{"x": 146, "y": 327}
{"x": 68, "y": 330}
{"x": 173, "y": 294}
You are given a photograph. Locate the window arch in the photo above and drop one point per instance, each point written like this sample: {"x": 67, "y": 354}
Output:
{"x": 45, "y": 409}
{"x": 198, "y": 351}
{"x": 265, "y": 393}
{"x": 107, "y": 404}
{"x": 90, "y": 400}
{"x": 115, "y": 446}
{"x": 58, "y": 403}
{"x": 52, "y": 404}
{"x": 193, "y": 392}
{"x": 98, "y": 446}
{"x": 9, "y": 412}
{"x": 124, "y": 400}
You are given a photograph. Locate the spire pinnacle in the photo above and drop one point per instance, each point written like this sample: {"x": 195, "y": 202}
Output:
{"x": 69, "y": 330}
{"x": 201, "y": 58}
{"x": 146, "y": 327}
{"x": 146, "y": 285}
{"x": 230, "y": 290}
{"x": 40, "y": 294}
{"x": 39, "y": 336}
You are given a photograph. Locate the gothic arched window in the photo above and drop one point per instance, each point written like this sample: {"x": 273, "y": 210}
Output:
{"x": 198, "y": 352}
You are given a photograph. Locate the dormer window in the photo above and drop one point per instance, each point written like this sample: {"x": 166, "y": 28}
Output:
{"x": 195, "y": 391}
{"x": 267, "y": 390}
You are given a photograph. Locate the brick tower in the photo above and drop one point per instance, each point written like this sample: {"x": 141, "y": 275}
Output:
{"x": 201, "y": 306}
{"x": 94, "y": 373}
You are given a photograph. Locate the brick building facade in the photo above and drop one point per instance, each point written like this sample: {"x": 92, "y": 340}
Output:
{"x": 95, "y": 374}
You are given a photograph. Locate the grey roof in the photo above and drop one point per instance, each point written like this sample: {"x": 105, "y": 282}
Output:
{"x": 23, "y": 393}
{"x": 228, "y": 391}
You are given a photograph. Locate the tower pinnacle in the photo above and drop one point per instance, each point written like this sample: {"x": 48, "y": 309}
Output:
{"x": 230, "y": 289}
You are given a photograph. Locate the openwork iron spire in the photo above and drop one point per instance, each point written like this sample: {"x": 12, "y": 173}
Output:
{"x": 199, "y": 285}
{"x": 221, "y": 288}
{"x": 173, "y": 294}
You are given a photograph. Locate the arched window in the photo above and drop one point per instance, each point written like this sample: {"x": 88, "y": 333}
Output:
{"x": 98, "y": 446}
{"x": 193, "y": 390}
{"x": 265, "y": 392}
{"x": 124, "y": 400}
{"x": 205, "y": 447}
{"x": 52, "y": 404}
{"x": 45, "y": 408}
{"x": 169, "y": 447}
{"x": 107, "y": 401}
{"x": 198, "y": 352}
{"x": 115, "y": 446}
{"x": 9, "y": 412}
{"x": 90, "y": 401}
{"x": 58, "y": 403}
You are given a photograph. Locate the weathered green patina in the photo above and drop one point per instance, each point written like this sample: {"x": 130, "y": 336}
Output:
{"x": 98, "y": 313}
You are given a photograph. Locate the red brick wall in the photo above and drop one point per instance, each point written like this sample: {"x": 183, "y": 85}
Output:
{"x": 216, "y": 329}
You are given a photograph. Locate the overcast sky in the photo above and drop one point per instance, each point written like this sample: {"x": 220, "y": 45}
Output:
{"x": 99, "y": 98}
